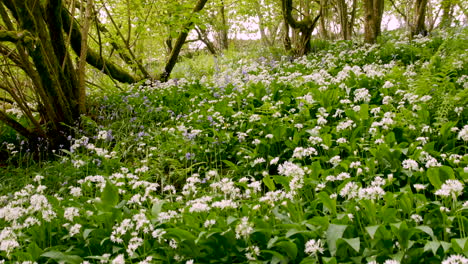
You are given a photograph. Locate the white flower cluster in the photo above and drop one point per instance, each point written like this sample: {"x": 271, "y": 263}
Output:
{"x": 244, "y": 228}
{"x": 314, "y": 247}
{"x": 453, "y": 188}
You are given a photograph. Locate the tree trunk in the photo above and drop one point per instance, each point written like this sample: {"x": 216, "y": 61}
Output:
{"x": 224, "y": 32}
{"x": 304, "y": 27}
{"x": 418, "y": 25}
{"x": 373, "y": 11}
{"x": 203, "y": 37}
{"x": 179, "y": 43}
{"x": 447, "y": 10}
{"x": 261, "y": 26}
{"x": 323, "y": 23}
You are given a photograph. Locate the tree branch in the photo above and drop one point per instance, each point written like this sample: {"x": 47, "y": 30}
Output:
{"x": 92, "y": 57}
{"x": 179, "y": 42}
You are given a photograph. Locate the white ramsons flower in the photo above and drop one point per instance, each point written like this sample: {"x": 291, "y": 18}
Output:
{"x": 252, "y": 253}
{"x": 119, "y": 260}
{"x": 463, "y": 134}
{"x": 244, "y": 228}
{"x": 290, "y": 169}
{"x": 70, "y": 213}
{"x": 301, "y": 152}
{"x": 8, "y": 241}
{"x": 455, "y": 259}
{"x": 335, "y": 160}
{"x": 74, "y": 230}
{"x": 362, "y": 95}
{"x": 452, "y": 188}
{"x": 410, "y": 165}
{"x": 313, "y": 247}
{"x": 75, "y": 191}
{"x": 102, "y": 135}
{"x": 391, "y": 261}
{"x": 417, "y": 218}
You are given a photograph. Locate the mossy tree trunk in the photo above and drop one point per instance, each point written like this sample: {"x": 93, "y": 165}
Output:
{"x": 37, "y": 33}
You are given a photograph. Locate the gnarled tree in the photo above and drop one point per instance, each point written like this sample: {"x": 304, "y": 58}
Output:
{"x": 305, "y": 27}
{"x": 41, "y": 73}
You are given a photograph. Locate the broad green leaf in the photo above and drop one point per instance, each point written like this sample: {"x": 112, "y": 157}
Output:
{"x": 86, "y": 232}
{"x": 34, "y": 250}
{"x": 272, "y": 242}
{"x": 445, "y": 245}
{"x": 446, "y": 173}
{"x": 328, "y": 202}
{"x": 268, "y": 181}
{"x": 288, "y": 247}
{"x": 180, "y": 233}
{"x": 230, "y": 164}
{"x": 460, "y": 244}
{"x": 283, "y": 180}
{"x": 371, "y": 230}
{"x": 390, "y": 138}
{"x": 309, "y": 260}
{"x": 355, "y": 243}
{"x": 156, "y": 208}
{"x": 329, "y": 260}
{"x": 433, "y": 246}
{"x": 433, "y": 176}
{"x": 61, "y": 257}
{"x": 427, "y": 230}
{"x": 274, "y": 254}
{"x": 110, "y": 195}
{"x": 334, "y": 233}
{"x": 364, "y": 112}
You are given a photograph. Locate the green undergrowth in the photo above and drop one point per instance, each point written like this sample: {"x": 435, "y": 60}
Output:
{"x": 354, "y": 154}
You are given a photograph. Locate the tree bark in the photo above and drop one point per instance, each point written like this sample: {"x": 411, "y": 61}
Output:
{"x": 305, "y": 27}
{"x": 373, "y": 11}
{"x": 447, "y": 10}
{"x": 224, "y": 39}
{"x": 418, "y": 25}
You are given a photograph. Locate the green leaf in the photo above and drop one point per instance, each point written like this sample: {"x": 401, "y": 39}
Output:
{"x": 230, "y": 164}
{"x": 157, "y": 207}
{"x": 433, "y": 176}
{"x": 288, "y": 247}
{"x": 433, "y": 246}
{"x": 34, "y": 250}
{"x": 180, "y": 233}
{"x": 61, "y": 257}
{"x": 446, "y": 173}
{"x": 328, "y": 202}
{"x": 110, "y": 195}
{"x": 355, "y": 243}
{"x": 329, "y": 260}
{"x": 460, "y": 244}
{"x": 316, "y": 170}
{"x": 274, "y": 254}
{"x": 371, "y": 230}
{"x": 309, "y": 260}
{"x": 272, "y": 242}
{"x": 268, "y": 181}
{"x": 445, "y": 245}
{"x": 283, "y": 180}
{"x": 86, "y": 232}
{"x": 334, "y": 233}
{"x": 427, "y": 230}
{"x": 364, "y": 112}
